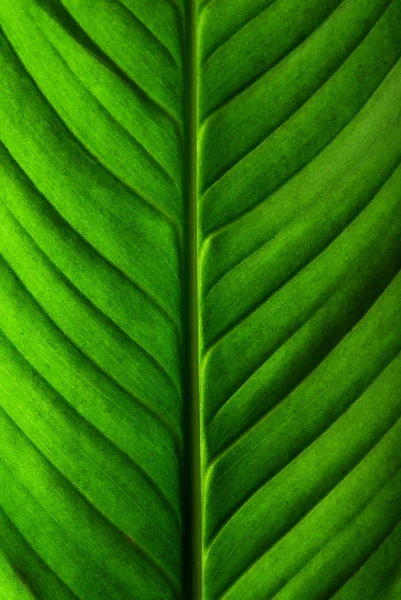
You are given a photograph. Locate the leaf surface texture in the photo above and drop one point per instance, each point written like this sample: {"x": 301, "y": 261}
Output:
{"x": 266, "y": 136}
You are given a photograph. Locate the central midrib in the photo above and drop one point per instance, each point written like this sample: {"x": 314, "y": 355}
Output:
{"x": 192, "y": 519}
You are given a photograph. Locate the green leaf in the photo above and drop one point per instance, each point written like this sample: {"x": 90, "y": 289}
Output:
{"x": 200, "y": 324}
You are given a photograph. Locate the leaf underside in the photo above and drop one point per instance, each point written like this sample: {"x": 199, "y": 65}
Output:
{"x": 298, "y": 319}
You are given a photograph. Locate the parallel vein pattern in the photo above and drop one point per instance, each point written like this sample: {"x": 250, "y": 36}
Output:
{"x": 293, "y": 111}
{"x": 300, "y": 256}
{"x": 90, "y": 303}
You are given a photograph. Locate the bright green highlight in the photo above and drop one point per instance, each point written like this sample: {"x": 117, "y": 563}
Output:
{"x": 200, "y": 324}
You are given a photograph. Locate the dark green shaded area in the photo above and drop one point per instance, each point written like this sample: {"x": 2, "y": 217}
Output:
{"x": 200, "y": 331}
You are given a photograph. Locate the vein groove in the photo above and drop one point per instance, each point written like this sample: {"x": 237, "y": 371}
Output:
{"x": 152, "y": 299}
{"x": 348, "y": 474}
{"x": 133, "y": 462}
{"x": 87, "y": 300}
{"x": 306, "y": 515}
{"x": 298, "y": 456}
{"x": 233, "y": 34}
{"x": 218, "y": 230}
{"x": 13, "y": 525}
{"x": 146, "y": 553}
{"x": 150, "y": 409}
{"x": 150, "y": 32}
{"x": 248, "y": 429}
{"x": 348, "y": 224}
{"x": 126, "y": 77}
{"x": 256, "y": 78}
{"x": 169, "y": 217}
{"x": 160, "y": 568}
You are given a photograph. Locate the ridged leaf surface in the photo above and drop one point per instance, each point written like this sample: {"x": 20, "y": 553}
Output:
{"x": 200, "y": 324}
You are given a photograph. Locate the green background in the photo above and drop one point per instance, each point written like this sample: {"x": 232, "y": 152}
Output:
{"x": 200, "y": 299}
